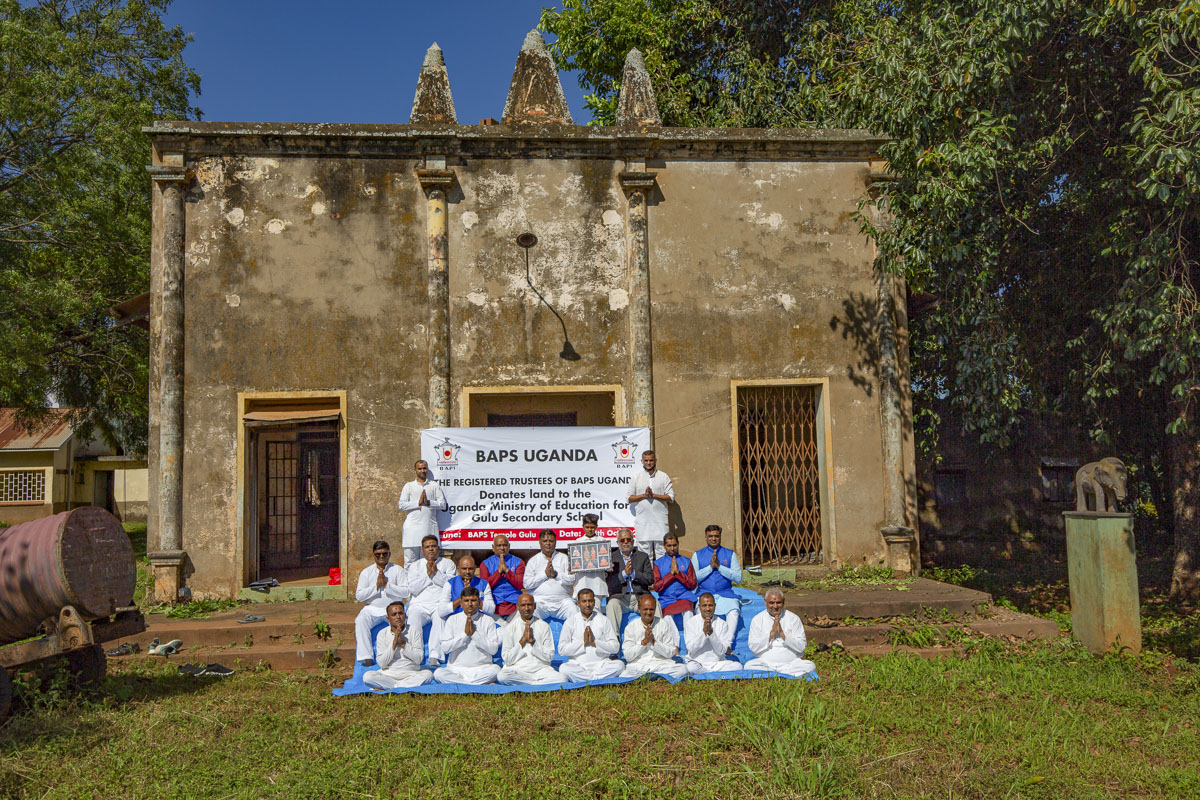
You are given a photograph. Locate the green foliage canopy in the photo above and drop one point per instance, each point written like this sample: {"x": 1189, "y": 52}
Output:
{"x": 78, "y": 80}
{"x": 1046, "y": 199}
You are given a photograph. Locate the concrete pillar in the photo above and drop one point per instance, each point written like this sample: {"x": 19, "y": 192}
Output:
{"x": 437, "y": 181}
{"x": 638, "y": 184}
{"x": 167, "y": 561}
{"x": 1102, "y": 572}
{"x": 895, "y": 530}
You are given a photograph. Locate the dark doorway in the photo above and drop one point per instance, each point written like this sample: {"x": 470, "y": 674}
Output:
{"x": 296, "y": 485}
{"x": 104, "y": 491}
{"x": 779, "y": 475}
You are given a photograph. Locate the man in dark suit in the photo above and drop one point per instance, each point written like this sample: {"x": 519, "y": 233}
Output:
{"x": 630, "y": 575}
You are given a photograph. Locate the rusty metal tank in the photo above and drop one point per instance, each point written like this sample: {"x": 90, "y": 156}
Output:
{"x": 80, "y": 558}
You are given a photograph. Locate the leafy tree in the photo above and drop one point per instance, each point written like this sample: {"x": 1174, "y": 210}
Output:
{"x": 1046, "y": 195}
{"x": 78, "y": 79}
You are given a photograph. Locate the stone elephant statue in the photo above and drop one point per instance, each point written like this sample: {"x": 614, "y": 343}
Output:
{"x": 1103, "y": 481}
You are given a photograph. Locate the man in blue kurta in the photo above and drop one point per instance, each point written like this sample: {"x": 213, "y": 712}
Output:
{"x": 675, "y": 580}
{"x": 505, "y": 574}
{"x": 717, "y": 570}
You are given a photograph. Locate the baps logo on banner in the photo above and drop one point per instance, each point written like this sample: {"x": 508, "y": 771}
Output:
{"x": 447, "y": 453}
{"x": 624, "y": 451}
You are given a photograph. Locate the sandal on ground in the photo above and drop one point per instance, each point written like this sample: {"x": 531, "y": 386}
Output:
{"x": 124, "y": 649}
{"x": 169, "y": 649}
{"x": 250, "y": 618}
{"x": 217, "y": 670}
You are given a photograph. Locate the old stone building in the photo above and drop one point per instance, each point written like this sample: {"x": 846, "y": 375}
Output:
{"x": 321, "y": 292}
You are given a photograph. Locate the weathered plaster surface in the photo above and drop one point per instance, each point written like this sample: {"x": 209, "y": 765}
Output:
{"x": 306, "y": 263}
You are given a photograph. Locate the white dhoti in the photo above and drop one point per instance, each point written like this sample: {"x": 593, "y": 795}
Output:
{"x": 397, "y": 678}
{"x": 702, "y": 667}
{"x": 583, "y": 671}
{"x": 560, "y": 608}
{"x": 418, "y": 615}
{"x": 368, "y": 617}
{"x": 796, "y": 667}
{"x": 655, "y": 666}
{"x": 528, "y": 675}
{"x": 476, "y": 676}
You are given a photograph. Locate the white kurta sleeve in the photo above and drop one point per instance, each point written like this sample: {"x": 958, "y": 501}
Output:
{"x": 418, "y": 578}
{"x": 414, "y": 645}
{"x": 384, "y": 654}
{"x": 487, "y": 635}
{"x": 535, "y": 572}
{"x": 793, "y": 630}
{"x": 437, "y": 499}
{"x": 702, "y": 571}
{"x": 563, "y": 568}
{"x": 453, "y": 636}
{"x": 607, "y": 643}
{"x": 760, "y": 627}
{"x": 668, "y": 490}
{"x": 409, "y": 499}
{"x": 489, "y": 605}
{"x": 633, "y": 647}
{"x": 693, "y": 634}
{"x": 570, "y": 641}
{"x": 446, "y": 604}
{"x": 734, "y": 571}
{"x": 366, "y": 591}
{"x": 397, "y": 585}
{"x": 509, "y": 649}
{"x": 543, "y": 642}
{"x": 723, "y": 633}
{"x": 666, "y": 639}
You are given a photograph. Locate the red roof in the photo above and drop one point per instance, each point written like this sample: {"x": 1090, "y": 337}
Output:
{"x": 49, "y": 435}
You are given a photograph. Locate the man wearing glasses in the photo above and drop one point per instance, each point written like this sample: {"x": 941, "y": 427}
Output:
{"x": 379, "y": 585}
{"x": 629, "y": 577}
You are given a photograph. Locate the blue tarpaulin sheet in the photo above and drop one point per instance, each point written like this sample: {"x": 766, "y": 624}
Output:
{"x": 752, "y": 604}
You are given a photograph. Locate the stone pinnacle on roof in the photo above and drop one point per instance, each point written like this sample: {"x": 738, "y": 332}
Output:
{"x": 433, "y": 102}
{"x": 535, "y": 94}
{"x": 636, "y": 104}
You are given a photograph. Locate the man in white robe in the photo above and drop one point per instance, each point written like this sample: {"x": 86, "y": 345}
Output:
{"x": 549, "y": 579}
{"x": 650, "y": 493}
{"x": 398, "y": 654}
{"x": 381, "y": 583}
{"x": 427, "y": 577}
{"x": 777, "y": 639}
{"x": 527, "y": 648}
{"x": 708, "y": 638}
{"x": 421, "y": 499}
{"x": 449, "y": 603}
{"x": 588, "y": 641}
{"x": 470, "y": 641}
{"x": 650, "y": 646}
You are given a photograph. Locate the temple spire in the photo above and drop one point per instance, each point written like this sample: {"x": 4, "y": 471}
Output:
{"x": 636, "y": 104}
{"x": 433, "y": 102}
{"x": 535, "y": 94}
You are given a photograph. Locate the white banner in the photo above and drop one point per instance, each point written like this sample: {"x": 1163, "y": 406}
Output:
{"x": 517, "y": 481}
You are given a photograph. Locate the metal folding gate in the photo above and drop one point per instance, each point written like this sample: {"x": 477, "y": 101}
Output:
{"x": 779, "y": 474}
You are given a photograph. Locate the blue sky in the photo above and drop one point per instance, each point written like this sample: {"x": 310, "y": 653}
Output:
{"x": 354, "y": 60}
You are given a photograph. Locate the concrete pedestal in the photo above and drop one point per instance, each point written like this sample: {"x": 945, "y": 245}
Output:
{"x": 900, "y": 543}
{"x": 167, "y": 566}
{"x": 1102, "y": 570}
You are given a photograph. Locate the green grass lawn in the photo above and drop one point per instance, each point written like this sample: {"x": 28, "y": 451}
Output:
{"x": 1004, "y": 721}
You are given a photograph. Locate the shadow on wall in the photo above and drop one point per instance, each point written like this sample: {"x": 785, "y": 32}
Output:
{"x": 675, "y": 521}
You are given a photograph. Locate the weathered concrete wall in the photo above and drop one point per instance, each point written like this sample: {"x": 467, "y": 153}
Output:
{"x": 305, "y": 270}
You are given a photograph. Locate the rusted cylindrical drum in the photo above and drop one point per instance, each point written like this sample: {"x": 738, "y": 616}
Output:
{"x": 80, "y": 558}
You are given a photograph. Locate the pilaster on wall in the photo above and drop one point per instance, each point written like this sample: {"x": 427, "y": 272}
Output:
{"x": 436, "y": 181}
{"x": 637, "y": 184}
{"x": 167, "y": 284}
